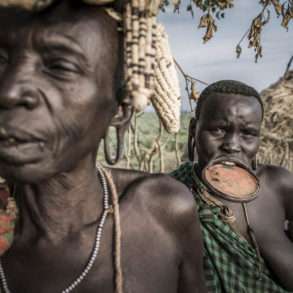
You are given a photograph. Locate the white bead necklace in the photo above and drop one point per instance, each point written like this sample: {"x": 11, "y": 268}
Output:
{"x": 107, "y": 208}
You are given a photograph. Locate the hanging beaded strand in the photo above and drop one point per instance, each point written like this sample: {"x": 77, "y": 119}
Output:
{"x": 167, "y": 99}
{"x": 107, "y": 209}
{"x": 139, "y": 25}
{"x": 149, "y": 69}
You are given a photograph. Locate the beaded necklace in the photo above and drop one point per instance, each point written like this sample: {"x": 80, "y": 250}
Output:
{"x": 107, "y": 209}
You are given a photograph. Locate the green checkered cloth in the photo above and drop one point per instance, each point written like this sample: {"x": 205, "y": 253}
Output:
{"x": 231, "y": 264}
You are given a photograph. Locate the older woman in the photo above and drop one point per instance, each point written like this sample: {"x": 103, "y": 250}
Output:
{"x": 58, "y": 83}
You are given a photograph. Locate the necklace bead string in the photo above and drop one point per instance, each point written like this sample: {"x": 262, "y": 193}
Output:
{"x": 107, "y": 209}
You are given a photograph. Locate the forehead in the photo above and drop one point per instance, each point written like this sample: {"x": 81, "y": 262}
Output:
{"x": 87, "y": 26}
{"x": 229, "y": 106}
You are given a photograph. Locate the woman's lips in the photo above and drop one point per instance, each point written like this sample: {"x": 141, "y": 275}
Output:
{"x": 20, "y": 149}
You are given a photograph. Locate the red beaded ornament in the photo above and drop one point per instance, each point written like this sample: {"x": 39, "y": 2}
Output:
{"x": 8, "y": 214}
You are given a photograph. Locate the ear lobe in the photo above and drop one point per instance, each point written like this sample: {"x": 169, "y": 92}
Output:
{"x": 123, "y": 116}
{"x": 120, "y": 122}
{"x": 254, "y": 164}
{"x": 191, "y": 139}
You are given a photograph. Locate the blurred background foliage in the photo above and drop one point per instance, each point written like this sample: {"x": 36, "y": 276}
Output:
{"x": 148, "y": 147}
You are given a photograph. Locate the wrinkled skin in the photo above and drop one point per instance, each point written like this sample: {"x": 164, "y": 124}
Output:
{"x": 58, "y": 79}
{"x": 234, "y": 132}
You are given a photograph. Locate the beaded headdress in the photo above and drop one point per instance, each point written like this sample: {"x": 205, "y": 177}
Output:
{"x": 149, "y": 69}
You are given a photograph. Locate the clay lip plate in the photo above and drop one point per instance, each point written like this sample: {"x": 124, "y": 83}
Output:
{"x": 230, "y": 180}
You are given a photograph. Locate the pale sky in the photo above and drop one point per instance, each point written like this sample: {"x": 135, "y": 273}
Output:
{"x": 217, "y": 59}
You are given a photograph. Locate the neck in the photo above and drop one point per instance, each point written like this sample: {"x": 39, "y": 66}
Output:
{"x": 60, "y": 206}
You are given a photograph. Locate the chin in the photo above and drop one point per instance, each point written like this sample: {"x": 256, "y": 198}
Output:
{"x": 30, "y": 173}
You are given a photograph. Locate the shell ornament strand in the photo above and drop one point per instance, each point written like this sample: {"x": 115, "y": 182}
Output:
{"x": 107, "y": 209}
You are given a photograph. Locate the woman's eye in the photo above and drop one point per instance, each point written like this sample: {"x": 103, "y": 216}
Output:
{"x": 249, "y": 133}
{"x": 3, "y": 64}
{"x": 3, "y": 59}
{"x": 217, "y": 131}
{"x": 62, "y": 66}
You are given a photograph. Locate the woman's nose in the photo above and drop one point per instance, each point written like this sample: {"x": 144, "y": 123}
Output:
{"x": 19, "y": 97}
{"x": 17, "y": 90}
{"x": 231, "y": 144}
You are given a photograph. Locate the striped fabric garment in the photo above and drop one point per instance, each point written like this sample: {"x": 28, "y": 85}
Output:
{"x": 231, "y": 264}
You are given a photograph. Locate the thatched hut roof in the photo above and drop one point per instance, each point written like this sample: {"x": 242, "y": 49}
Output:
{"x": 277, "y": 133}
